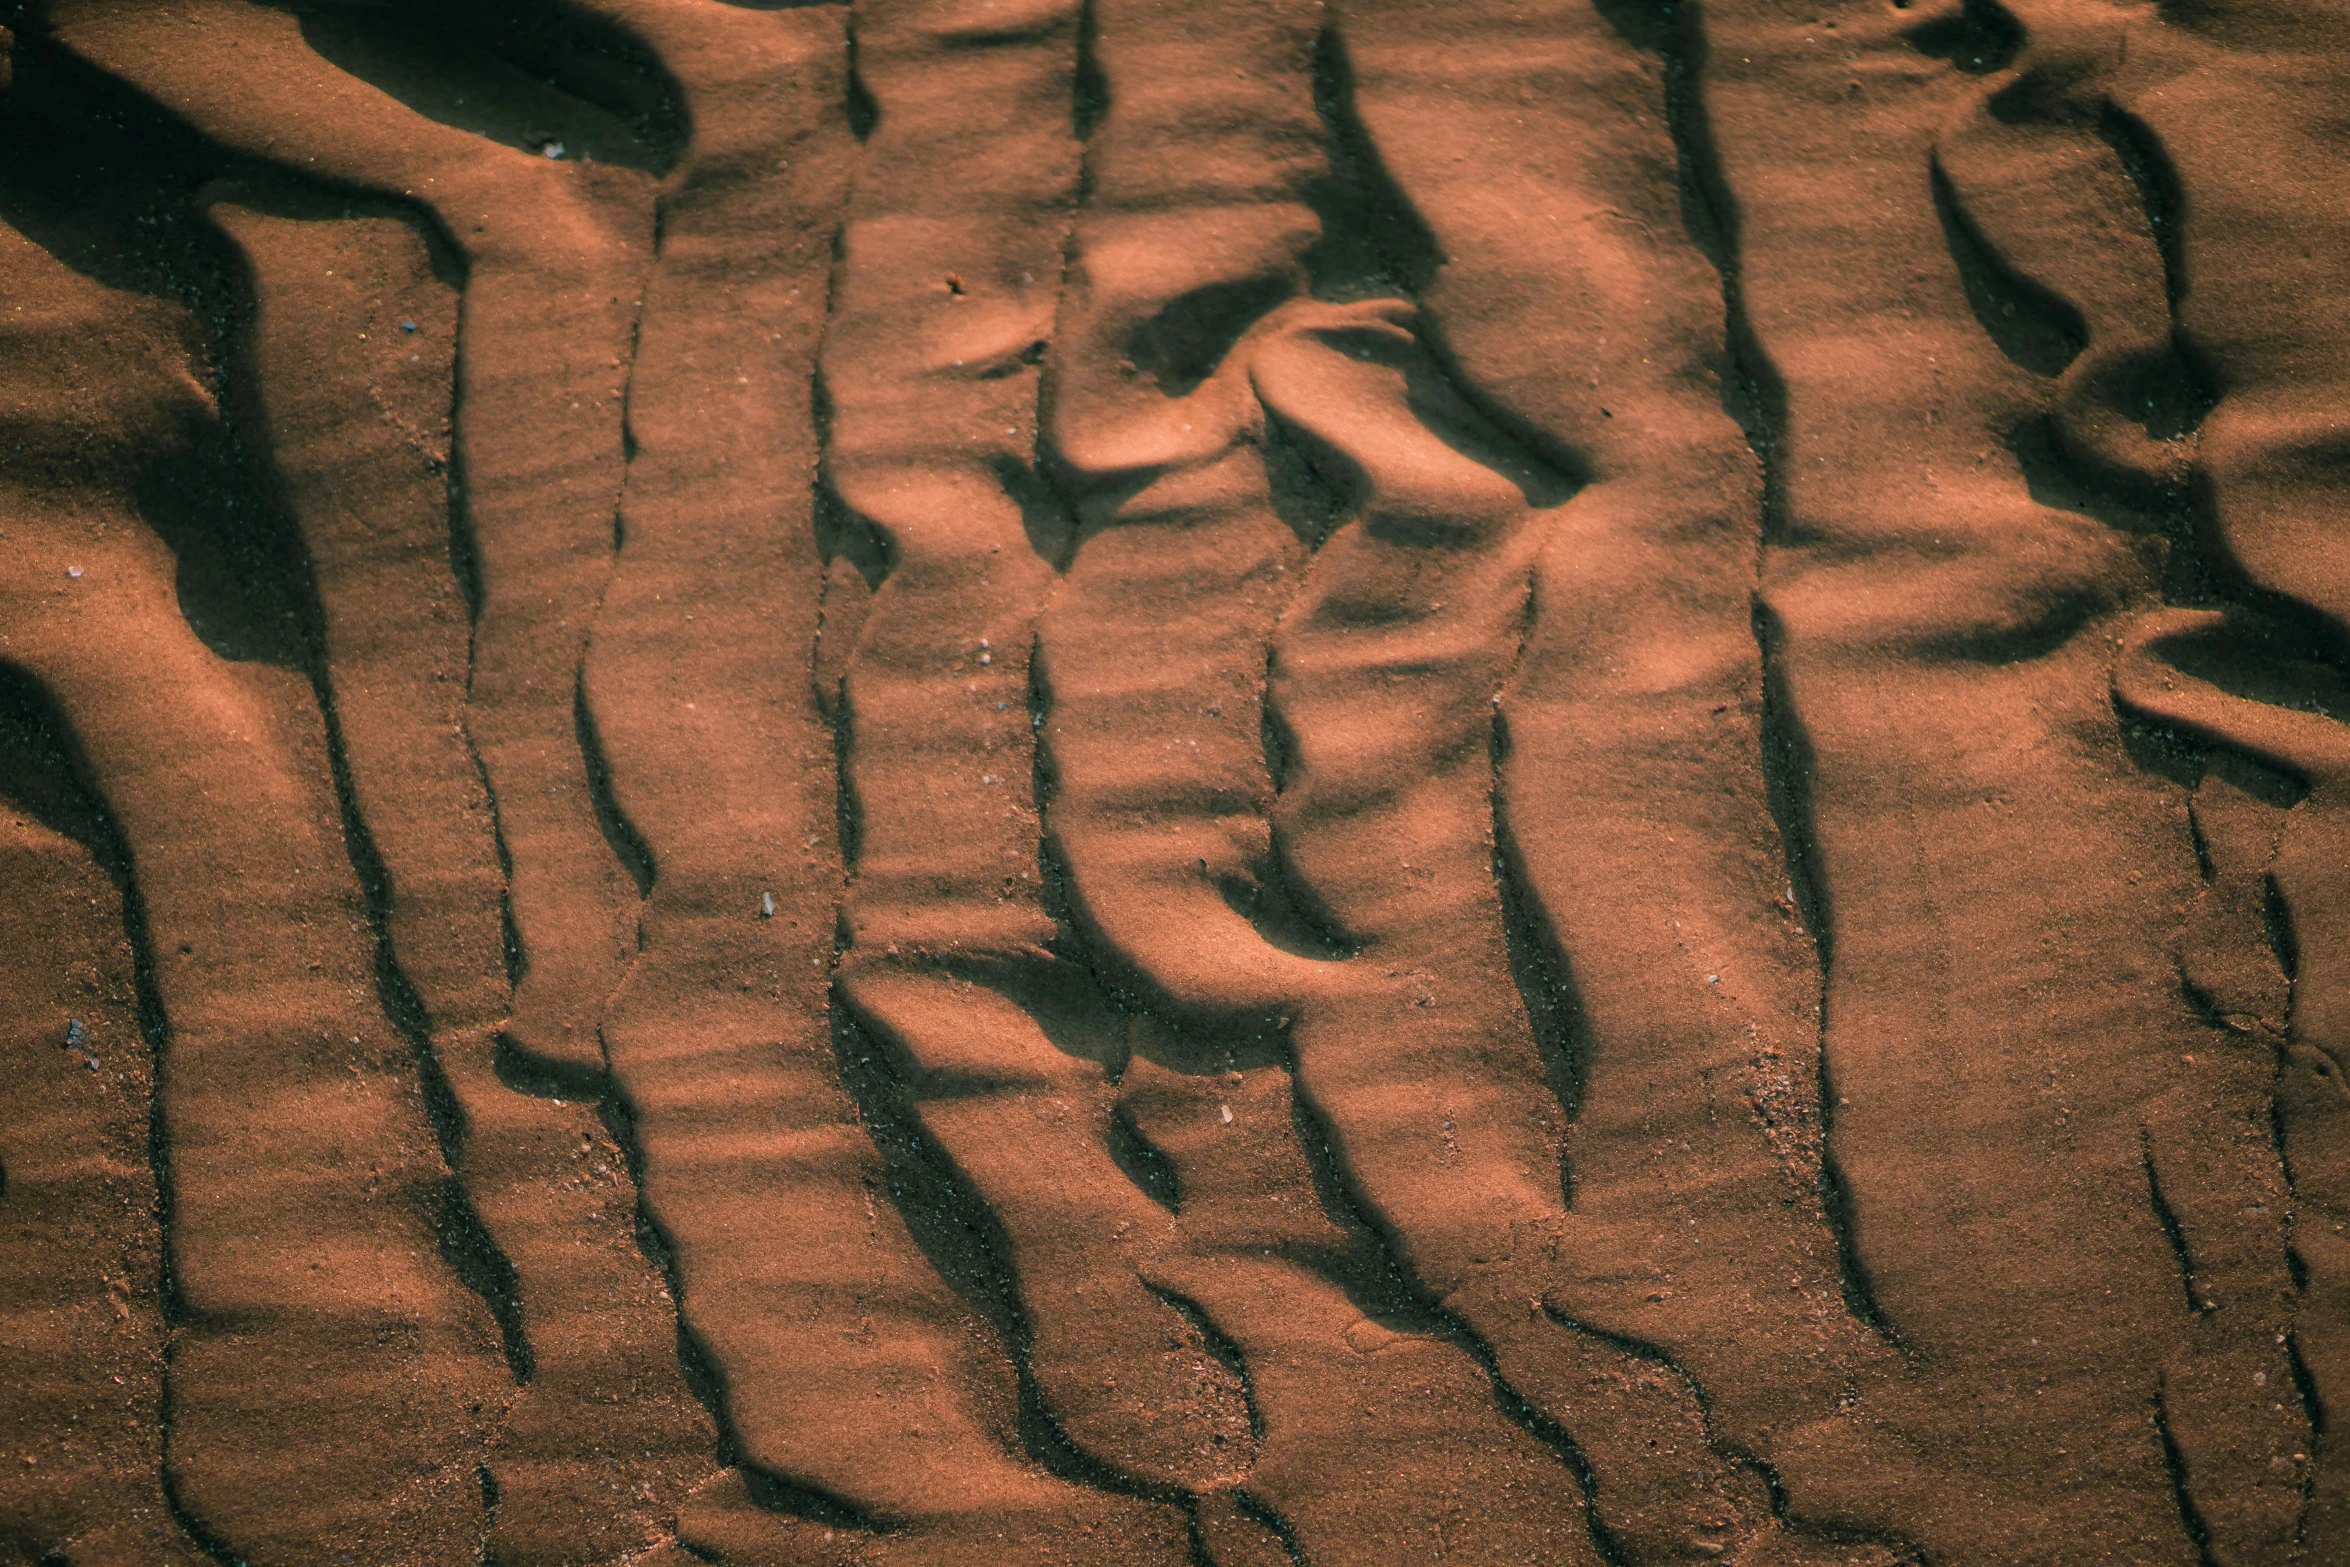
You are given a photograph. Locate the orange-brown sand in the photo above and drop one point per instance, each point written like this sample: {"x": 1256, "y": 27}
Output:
{"x": 1174, "y": 783}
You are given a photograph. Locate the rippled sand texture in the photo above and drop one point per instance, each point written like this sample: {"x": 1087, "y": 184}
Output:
{"x": 1225, "y": 784}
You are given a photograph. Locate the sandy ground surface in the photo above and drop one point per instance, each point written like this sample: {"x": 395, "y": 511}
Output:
{"x": 1224, "y": 784}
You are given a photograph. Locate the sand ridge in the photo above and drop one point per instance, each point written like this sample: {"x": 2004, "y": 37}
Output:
{"x": 952, "y": 781}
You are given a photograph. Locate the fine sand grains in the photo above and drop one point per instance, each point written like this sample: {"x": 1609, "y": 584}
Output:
{"x": 1231, "y": 784}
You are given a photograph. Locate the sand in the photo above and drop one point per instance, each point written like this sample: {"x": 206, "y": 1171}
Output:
{"x": 1221, "y": 784}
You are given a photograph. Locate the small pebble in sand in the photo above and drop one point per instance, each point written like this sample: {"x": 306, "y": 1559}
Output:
{"x": 77, "y": 1034}
{"x": 407, "y": 326}
{"x": 74, "y": 572}
{"x": 766, "y": 905}
{"x": 551, "y": 150}
{"x": 1226, "y": 1112}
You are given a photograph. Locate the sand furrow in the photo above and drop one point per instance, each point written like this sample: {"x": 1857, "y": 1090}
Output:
{"x": 2254, "y": 959}
{"x": 1379, "y": 1435}
{"x": 1384, "y": 678}
{"x": 81, "y": 1324}
{"x": 1190, "y": 259}
{"x": 942, "y": 299}
{"x": 303, "y": 1182}
{"x": 554, "y": 254}
{"x": 82, "y": 1331}
{"x": 2051, "y": 184}
{"x": 1658, "y": 897}
{"x": 1195, "y": 233}
{"x": 1121, "y": 750}
{"x": 2228, "y": 138}
{"x": 808, "y": 1296}
{"x": 1942, "y": 637}
{"x": 352, "y": 353}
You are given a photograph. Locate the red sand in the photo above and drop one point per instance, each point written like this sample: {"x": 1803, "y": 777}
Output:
{"x": 1237, "y": 783}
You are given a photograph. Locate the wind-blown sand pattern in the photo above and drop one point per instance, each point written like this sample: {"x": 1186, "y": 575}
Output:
{"x": 1225, "y": 784}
